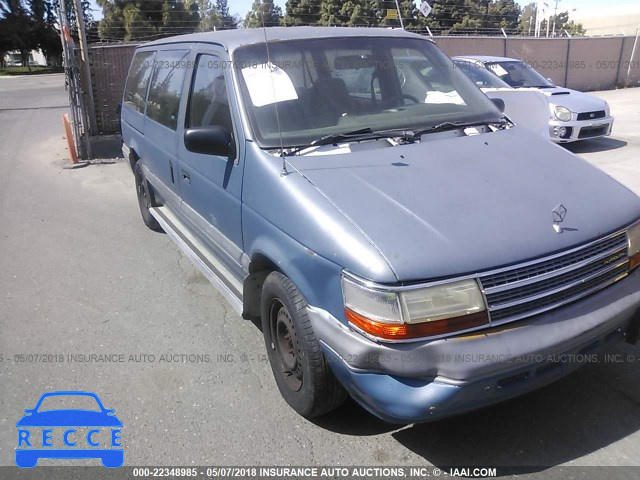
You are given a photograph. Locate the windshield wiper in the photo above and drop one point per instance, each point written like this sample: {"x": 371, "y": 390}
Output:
{"x": 353, "y": 136}
{"x": 441, "y": 127}
{"x": 405, "y": 135}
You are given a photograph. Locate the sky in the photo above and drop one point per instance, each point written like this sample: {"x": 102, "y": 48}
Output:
{"x": 241, "y": 7}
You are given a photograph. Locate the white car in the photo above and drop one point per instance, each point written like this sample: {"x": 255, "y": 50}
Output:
{"x": 573, "y": 115}
{"x": 529, "y": 109}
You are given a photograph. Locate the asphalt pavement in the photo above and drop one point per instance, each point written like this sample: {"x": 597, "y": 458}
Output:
{"x": 92, "y": 300}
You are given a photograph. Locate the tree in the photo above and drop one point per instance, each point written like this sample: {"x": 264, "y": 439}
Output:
{"x": 147, "y": 19}
{"x": 527, "y": 23}
{"x": 263, "y": 9}
{"x": 503, "y": 14}
{"x": 46, "y": 34}
{"x": 209, "y": 17}
{"x": 302, "y": 12}
{"x": 447, "y": 13}
{"x": 222, "y": 8}
{"x": 18, "y": 30}
{"x": 559, "y": 23}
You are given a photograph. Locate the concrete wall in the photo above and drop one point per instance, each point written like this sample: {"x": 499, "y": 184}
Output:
{"x": 587, "y": 63}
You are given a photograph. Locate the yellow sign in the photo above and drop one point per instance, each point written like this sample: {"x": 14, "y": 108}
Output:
{"x": 392, "y": 14}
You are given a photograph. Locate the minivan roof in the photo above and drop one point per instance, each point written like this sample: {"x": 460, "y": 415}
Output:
{"x": 232, "y": 39}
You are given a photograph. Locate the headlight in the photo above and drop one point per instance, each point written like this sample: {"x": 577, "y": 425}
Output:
{"x": 607, "y": 109}
{"x": 414, "y": 313}
{"x": 562, "y": 113}
{"x": 633, "y": 237}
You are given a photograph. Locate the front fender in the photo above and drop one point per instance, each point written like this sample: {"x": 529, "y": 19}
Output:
{"x": 317, "y": 278}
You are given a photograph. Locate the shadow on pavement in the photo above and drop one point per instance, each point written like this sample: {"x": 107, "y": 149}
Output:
{"x": 576, "y": 416}
{"x": 602, "y": 144}
{"x": 567, "y": 420}
{"x": 352, "y": 419}
{"x": 106, "y": 149}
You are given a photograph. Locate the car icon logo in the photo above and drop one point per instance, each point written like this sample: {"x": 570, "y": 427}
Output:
{"x": 592, "y": 115}
{"x": 559, "y": 212}
{"x": 69, "y": 433}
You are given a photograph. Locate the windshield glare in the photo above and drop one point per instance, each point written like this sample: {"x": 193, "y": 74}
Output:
{"x": 338, "y": 85}
{"x": 479, "y": 75}
{"x": 518, "y": 74}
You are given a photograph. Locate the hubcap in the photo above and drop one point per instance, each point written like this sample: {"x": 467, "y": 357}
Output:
{"x": 287, "y": 346}
{"x": 143, "y": 197}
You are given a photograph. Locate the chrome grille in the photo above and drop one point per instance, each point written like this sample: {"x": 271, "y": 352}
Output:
{"x": 541, "y": 285}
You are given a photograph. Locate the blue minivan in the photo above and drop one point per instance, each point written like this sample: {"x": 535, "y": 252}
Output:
{"x": 401, "y": 240}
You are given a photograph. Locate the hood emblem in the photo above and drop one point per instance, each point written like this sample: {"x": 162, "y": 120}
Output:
{"x": 592, "y": 115}
{"x": 559, "y": 213}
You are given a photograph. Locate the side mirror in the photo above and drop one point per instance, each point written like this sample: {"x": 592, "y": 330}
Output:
{"x": 209, "y": 140}
{"x": 498, "y": 102}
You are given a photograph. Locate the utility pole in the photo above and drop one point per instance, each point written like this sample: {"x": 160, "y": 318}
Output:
{"x": 86, "y": 68}
{"x": 555, "y": 17}
{"x": 399, "y": 15}
{"x": 633, "y": 54}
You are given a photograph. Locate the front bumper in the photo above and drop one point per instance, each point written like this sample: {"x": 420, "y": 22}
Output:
{"x": 581, "y": 130}
{"x": 422, "y": 381}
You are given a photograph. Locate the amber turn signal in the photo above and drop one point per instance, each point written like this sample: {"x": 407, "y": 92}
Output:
{"x": 405, "y": 331}
{"x": 634, "y": 261}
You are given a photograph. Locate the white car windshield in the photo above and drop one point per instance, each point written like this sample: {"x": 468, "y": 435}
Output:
{"x": 519, "y": 74}
{"x": 339, "y": 85}
{"x": 479, "y": 75}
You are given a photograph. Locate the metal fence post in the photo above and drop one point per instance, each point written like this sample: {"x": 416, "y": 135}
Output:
{"x": 633, "y": 54}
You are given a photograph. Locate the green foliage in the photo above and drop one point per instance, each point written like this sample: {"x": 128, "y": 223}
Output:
{"x": 265, "y": 9}
{"x": 222, "y": 9}
{"x": 559, "y": 23}
{"x": 481, "y": 17}
{"x": 527, "y": 22}
{"x": 503, "y": 14}
{"x": 147, "y": 19}
{"x": 210, "y": 18}
{"x": 302, "y": 12}
{"x": 29, "y": 25}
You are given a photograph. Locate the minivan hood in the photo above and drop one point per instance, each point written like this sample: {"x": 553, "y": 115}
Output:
{"x": 451, "y": 206}
{"x": 575, "y": 101}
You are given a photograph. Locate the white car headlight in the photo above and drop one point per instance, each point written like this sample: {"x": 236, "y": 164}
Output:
{"x": 633, "y": 237}
{"x": 404, "y": 314}
{"x": 562, "y": 113}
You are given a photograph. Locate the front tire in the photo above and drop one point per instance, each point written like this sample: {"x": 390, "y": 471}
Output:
{"x": 300, "y": 369}
{"x": 146, "y": 200}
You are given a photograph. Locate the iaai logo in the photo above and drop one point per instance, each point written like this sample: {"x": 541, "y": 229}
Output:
{"x": 94, "y": 432}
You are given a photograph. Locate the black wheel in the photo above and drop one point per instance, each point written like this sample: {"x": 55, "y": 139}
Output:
{"x": 146, "y": 199}
{"x": 299, "y": 367}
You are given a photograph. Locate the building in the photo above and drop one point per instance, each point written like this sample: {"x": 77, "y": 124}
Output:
{"x": 621, "y": 20}
{"x": 36, "y": 58}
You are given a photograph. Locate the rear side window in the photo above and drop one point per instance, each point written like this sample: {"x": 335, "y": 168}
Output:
{"x": 166, "y": 87}
{"x": 139, "y": 74}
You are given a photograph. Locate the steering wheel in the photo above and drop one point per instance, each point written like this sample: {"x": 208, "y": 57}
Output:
{"x": 374, "y": 100}
{"x": 405, "y": 96}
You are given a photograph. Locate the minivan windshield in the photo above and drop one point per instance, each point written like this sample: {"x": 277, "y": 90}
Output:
{"x": 519, "y": 74}
{"x": 331, "y": 86}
